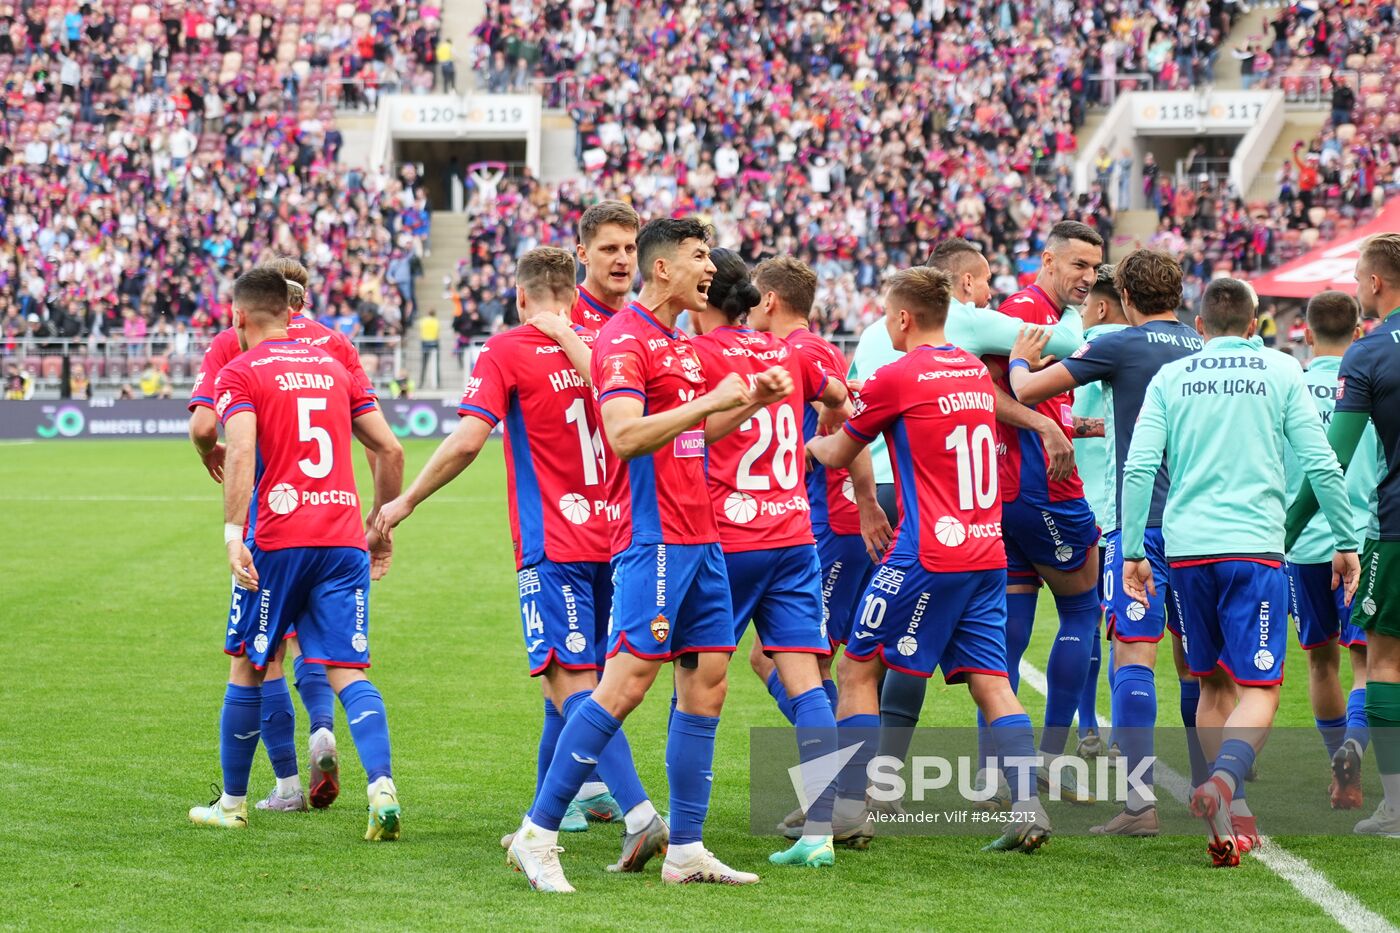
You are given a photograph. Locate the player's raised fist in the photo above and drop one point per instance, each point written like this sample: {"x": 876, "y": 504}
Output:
{"x": 730, "y": 393}
{"x": 772, "y": 385}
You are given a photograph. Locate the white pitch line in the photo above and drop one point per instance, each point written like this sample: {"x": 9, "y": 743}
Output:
{"x": 1341, "y": 906}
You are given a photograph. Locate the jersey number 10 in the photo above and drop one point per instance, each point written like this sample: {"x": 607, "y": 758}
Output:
{"x": 977, "y": 471}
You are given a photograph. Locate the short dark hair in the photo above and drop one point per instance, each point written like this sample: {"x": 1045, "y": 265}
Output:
{"x": 730, "y": 289}
{"x": 791, "y": 279}
{"x": 606, "y": 212}
{"x": 663, "y": 235}
{"x": 924, "y": 292}
{"x": 1151, "y": 280}
{"x": 1067, "y": 230}
{"x": 546, "y": 270}
{"x": 1106, "y": 285}
{"x": 953, "y": 255}
{"x": 262, "y": 291}
{"x": 1333, "y": 316}
{"x": 1227, "y": 307}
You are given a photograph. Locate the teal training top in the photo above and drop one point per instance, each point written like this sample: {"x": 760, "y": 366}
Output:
{"x": 1223, "y": 418}
{"x": 1091, "y": 453}
{"x": 979, "y": 331}
{"x": 1314, "y": 545}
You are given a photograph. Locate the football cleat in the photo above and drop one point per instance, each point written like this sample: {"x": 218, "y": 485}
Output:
{"x": 1090, "y": 745}
{"x": 1000, "y": 801}
{"x": 574, "y": 820}
{"x": 600, "y": 808}
{"x": 1345, "y": 791}
{"x": 808, "y": 855}
{"x": 385, "y": 815}
{"x": 1069, "y": 790}
{"x": 639, "y": 848}
{"x": 793, "y": 821}
{"x": 274, "y": 802}
{"x": 1023, "y": 836}
{"x": 1211, "y": 802}
{"x": 703, "y": 868}
{"x": 1246, "y": 832}
{"x": 538, "y": 862}
{"x": 1126, "y": 823}
{"x": 1384, "y": 822}
{"x": 889, "y": 807}
{"x": 324, "y": 782}
{"x": 847, "y": 833}
{"x": 216, "y": 815}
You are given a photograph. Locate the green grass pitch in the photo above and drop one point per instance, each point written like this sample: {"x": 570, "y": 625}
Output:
{"x": 111, "y": 607}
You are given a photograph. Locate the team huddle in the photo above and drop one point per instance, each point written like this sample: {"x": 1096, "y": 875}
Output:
{"x": 670, "y": 484}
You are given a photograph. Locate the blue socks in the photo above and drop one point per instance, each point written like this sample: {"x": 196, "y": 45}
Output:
{"x": 1020, "y": 616}
{"x": 779, "y": 694}
{"x": 1014, "y": 739}
{"x": 1236, "y": 758}
{"x": 1334, "y": 732}
{"x": 549, "y": 738}
{"x": 850, "y": 785}
{"x": 239, "y": 725}
{"x": 690, "y": 757}
{"x": 816, "y": 737}
{"x": 615, "y": 767}
{"x": 1190, "y": 700}
{"x": 1089, "y": 697}
{"x": 279, "y": 727}
{"x": 1068, "y": 666}
{"x": 901, "y": 701}
{"x": 586, "y": 733}
{"x": 1135, "y": 714}
{"x": 830, "y": 687}
{"x": 369, "y": 727}
{"x": 316, "y": 693}
{"x": 1357, "y": 724}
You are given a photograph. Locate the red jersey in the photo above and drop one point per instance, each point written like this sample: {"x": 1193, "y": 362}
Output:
{"x": 830, "y": 491}
{"x": 660, "y": 497}
{"x": 224, "y": 347}
{"x": 755, "y": 472}
{"x": 304, "y": 491}
{"x": 553, "y": 446}
{"x": 937, "y": 410}
{"x": 589, "y": 312}
{"x": 1022, "y": 452}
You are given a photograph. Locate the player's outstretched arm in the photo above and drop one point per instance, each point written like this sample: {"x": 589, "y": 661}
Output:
{"x": 875, "y": 527}
{"x": 204, "y": 434}
{"x": 631, "y": 433}
{"x": 240, "y": 458}
{"x": 373, "y": 431}
{"x": 454, "y": 454}
{"x": 837, "y": 451}
{"x": 1343, "y": 436}
{"x": 1033, "y": 383}
{"x": 770, "y": 387}
{"x": 557, "y": 328}
{"x": 996, "y": 333}
{"x": 1326, "y": 476}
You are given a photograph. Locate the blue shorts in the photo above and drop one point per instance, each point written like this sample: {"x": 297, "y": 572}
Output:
{"x": 845, "y": 572}
{"x": 778, "y": 590}
{"x": 669, "y": 600}
{"x": 1051, "y": 534}
{"x": 1232, "y": 616}
{"x": 564, "y": 613}
{"x": 321, "y": 592}
{"x": 1320, "y": 613}
{"x": 1127, "y": 619}
{"x": 917, "y": 620}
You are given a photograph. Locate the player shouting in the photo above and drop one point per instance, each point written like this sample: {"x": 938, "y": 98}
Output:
{"x": 278, "y": 716}
{"x": 558, "y": 522}
{"x": 938, "y": 598}
{"x": 1368, "y": 389}
{"x": 288, "y": 411}
{"x": 670, "y": 592}
{"x": 1228, "y": 411}
{"x": 607, "y": 249}
{"x": 1149, "y": 283}
{"x": 761, "y": 506}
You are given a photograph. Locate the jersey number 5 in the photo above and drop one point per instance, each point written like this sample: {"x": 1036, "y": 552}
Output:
{"x": 308, "y": 433}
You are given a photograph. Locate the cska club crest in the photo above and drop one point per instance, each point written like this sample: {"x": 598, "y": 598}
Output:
{"x": 660, "y": 628}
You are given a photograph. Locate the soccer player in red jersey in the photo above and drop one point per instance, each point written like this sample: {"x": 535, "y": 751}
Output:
{"x": 1051, "y": 532}
{"x": 288, "y": 412}
{"x": 607, "y": 249}
{"x": 761, "y": 506}
{"x": 558, "y": 521}
{"x": 938, "y": 598}
{"x": 670, "y": 591}
{"x": 279, "y": 722}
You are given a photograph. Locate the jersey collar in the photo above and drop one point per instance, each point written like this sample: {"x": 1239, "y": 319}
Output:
{"x": 602, "y": 310}
{"x": 1333, "y": 363}
{"x": 645, "y": 314}
{"x": 1046, "y": 295}
{"x": 1229, "y": 342}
